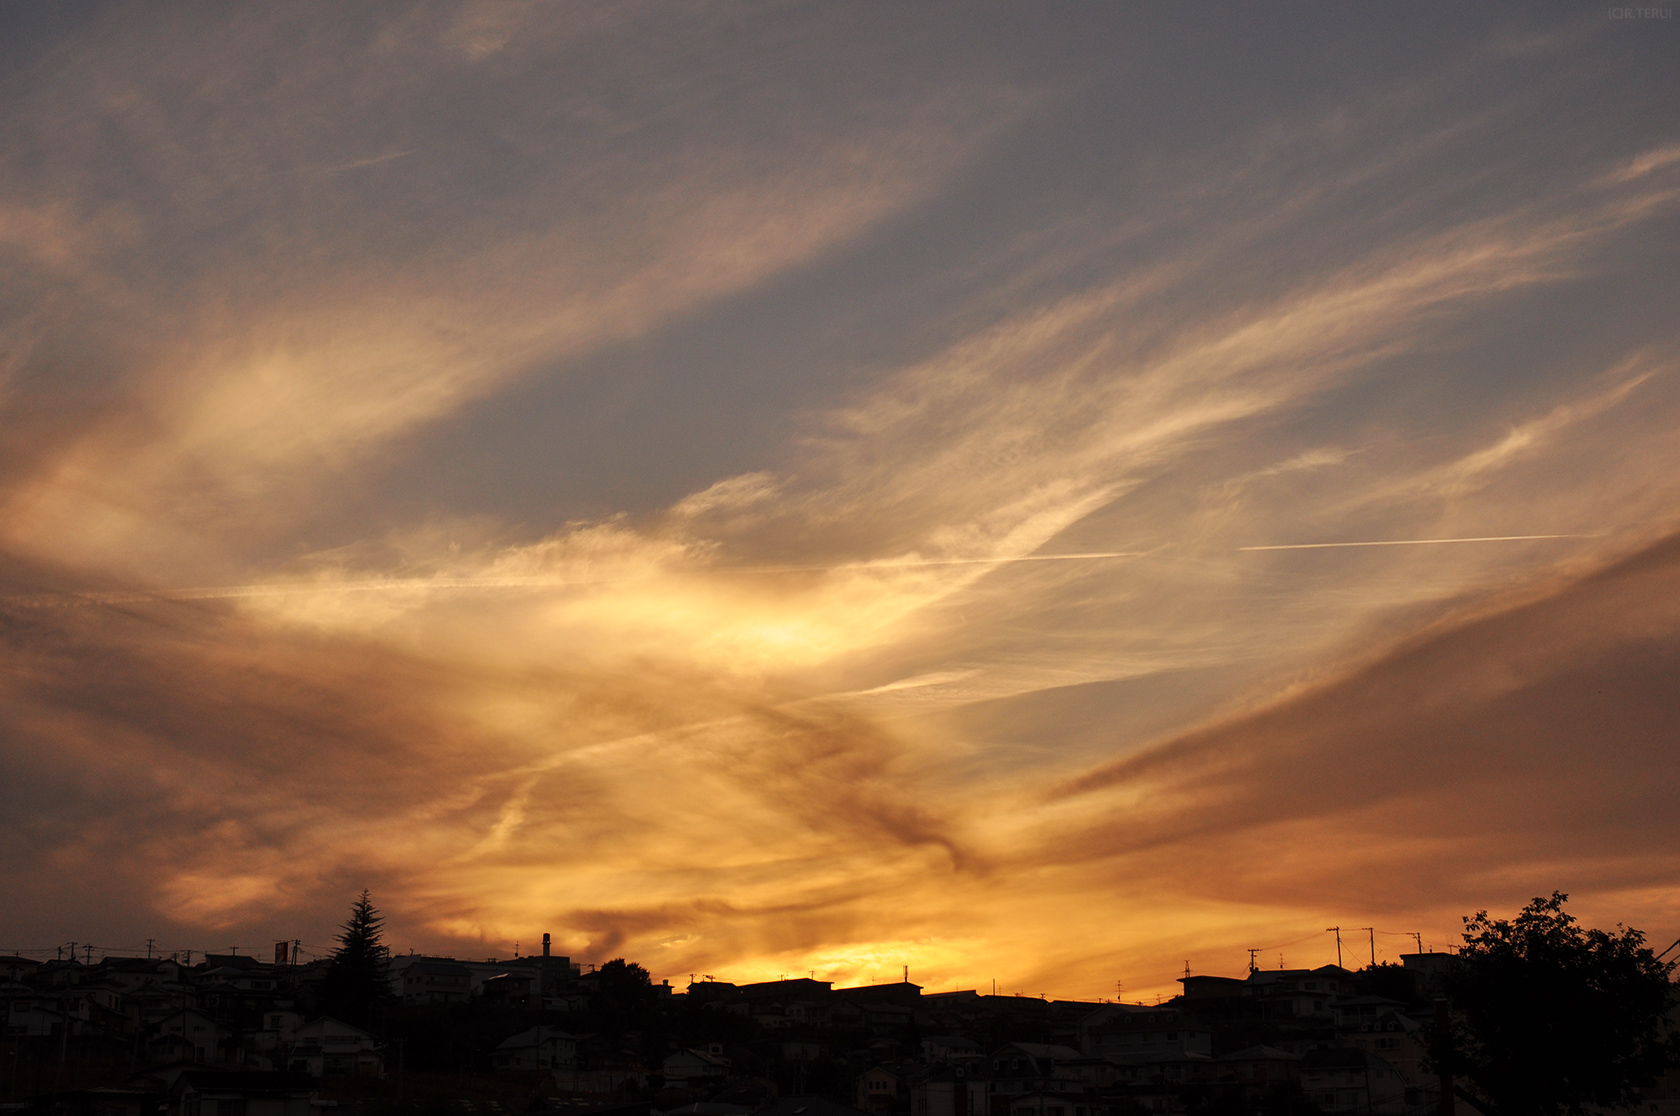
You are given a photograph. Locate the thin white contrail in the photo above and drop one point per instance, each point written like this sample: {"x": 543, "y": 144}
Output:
{"x": 411, "y": 584}
{"x": 1412, "y": 542}
{"x": 913, "y": 563}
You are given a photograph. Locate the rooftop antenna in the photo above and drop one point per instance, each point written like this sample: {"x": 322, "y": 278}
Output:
{"x": 1187, "y": 969}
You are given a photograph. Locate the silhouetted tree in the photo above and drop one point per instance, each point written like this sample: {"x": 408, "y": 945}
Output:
{"x": 623, "y": 990}
{"x": 1386, "y": 979}
{"x": 1549, "y": 1019}
{"x": 356, "y": 988}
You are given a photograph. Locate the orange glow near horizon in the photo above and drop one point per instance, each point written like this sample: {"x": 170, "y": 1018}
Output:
{"x": 648, "y": 503}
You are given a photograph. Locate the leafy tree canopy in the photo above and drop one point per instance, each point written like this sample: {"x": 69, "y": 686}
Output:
{"x": 624, "y": 987}
{"x": 1550, "y": 1019}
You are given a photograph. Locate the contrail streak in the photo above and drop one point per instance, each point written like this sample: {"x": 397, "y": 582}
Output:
{"x": 914, "y": 563}
{"x": 426, "y": 584}
{"x": 1412, "y": 542}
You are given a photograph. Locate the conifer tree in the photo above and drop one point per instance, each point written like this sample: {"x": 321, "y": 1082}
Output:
{"x": 355, "y": 987}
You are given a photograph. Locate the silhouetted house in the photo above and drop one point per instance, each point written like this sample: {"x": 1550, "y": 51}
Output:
{"x": 277, "y": 1029}
{"x": 540, "y": 1048}
{"x": 1096, "y": 1072}
{"x": 807, "y": 1106}
{"x": 1429, "y": 970}
{"x": 132, "y": 974}
{"x": 184, "y": 1034}
{"x": 877, "y": 1090}
{"x": 1140, "y": 1029}
{"x": 951, "y": 1048}
{"x": 885, "y": 1018}
{"x": 948, "y": 1089}
{"x": 803, "y": 1051}
{"x": 900, "y": 992}
{"x": 1040, "y": 1104}
{"x": 1019, "y": 1068}
{"x": 1258, "y": 1066}
{"x": 512, "y": 990}
{"x": 707, "y": 992}
{"x": 201, "y": 1092}
{"x": 695, "y": 1065}
{"x": 844, "y": 1015}
{"x": 799, "y": 988}
{"x": 1400, "y": 1041}
{"x": 243, "y": 974}
{"x": 705, "y": 1108}
{"x": 435, "y": 982}
{"x": 1343, "y": 1080}
{"x": 13, "y": 967}
{"x": 1302, "y": 994}
{"x": 100, "y": 1102}
{"x": 32, "y": 1015}
{"x": 328, "y": 1047}
{"x": 1354, "y": 1011}
{"x": 1214, "y": 987}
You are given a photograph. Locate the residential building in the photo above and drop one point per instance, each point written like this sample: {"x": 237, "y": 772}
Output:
{"x": 330, "y": 1047}
{"x": 695, "y": 1065}
{"x": 540, "y": 1048}
{"x": 1345, "y": 1080}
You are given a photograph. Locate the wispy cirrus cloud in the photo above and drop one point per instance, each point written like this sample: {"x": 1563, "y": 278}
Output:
{"x": 987, "y": 643}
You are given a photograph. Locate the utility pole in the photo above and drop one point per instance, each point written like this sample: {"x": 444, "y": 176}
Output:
{"x": 1337, "y": 930}
{"x": 64, "y": 1033}
{"x": 1251, "y": 965}
{"x": 1373, "y": 942}
{"x": 149, "y": 948}
{"x": 1418, "y": 938}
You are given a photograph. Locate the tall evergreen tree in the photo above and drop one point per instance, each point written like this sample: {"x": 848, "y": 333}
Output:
{"x": 356, "y": 987}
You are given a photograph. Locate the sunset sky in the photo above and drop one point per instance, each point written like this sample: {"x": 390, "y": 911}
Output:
{"x": 768, "y": 488}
